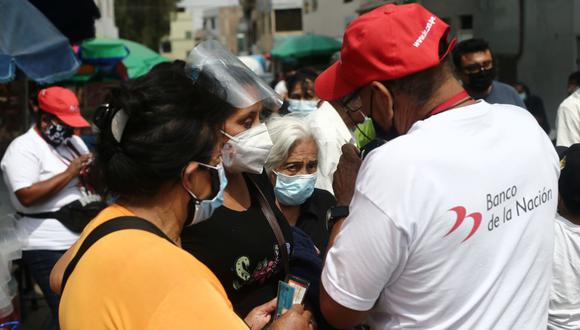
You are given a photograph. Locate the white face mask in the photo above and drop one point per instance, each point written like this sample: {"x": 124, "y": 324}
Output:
{"x": 248, "y": 151}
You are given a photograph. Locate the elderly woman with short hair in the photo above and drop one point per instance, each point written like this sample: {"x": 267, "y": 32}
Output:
{"x": 292, "y": 165}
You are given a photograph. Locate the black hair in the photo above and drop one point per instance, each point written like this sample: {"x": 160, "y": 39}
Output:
{"x": 423, "y": 84}
{"x": 301, "y": 77}
{"x": 574, "y": 78}
{"x": 524, "y": 87}
{"x": 290, "y": 65}
{"x": 468, "y": 46}
{"x": 171, "y": 122}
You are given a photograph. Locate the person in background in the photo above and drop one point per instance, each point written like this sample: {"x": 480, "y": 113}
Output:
{"x": 43, "y": 171}
{"x": 573, "y": 82}
{"x": 474, "y": 64}
{"x": 425, "y": 245}
{"x": 289, "y": 69}
{"x": 534, "y": 104}
{"x": 158, "y": 153}
{"x": 301, "y": 99}
{"x": 568, "y": 115}
{"x": 565, "y": 295}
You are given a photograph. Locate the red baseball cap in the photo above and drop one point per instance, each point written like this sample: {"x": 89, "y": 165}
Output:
{"x": 62, "y": 103}
{"x": 390, "y": 42}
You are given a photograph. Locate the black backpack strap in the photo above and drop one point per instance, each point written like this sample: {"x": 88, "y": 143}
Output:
{"x": 42, "y": 215}
{"x": 106, "y": 228}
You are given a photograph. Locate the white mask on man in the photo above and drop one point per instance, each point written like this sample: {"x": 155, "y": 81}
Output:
{"x": 248, "y": 151}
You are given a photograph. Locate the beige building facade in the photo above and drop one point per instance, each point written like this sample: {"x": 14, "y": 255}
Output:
{"x": 331, "y": 17}
{"x": 186, "y": 27}
{"x": 222, "y": 24}
{"x": 267, "y": 23}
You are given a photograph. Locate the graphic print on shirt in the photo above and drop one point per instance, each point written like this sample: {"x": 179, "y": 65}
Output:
{"x": 461, "y": 215}
{"x": 262, "y": 271}
{"x": 511, "y": 205}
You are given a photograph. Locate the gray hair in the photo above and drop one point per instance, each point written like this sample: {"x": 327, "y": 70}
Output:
{"x": 285, "y": 132}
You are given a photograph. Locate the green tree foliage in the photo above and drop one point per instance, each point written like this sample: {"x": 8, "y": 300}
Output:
{"x": 144, "y": 21}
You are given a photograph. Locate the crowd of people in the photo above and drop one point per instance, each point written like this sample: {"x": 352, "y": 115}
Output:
{"x": 405, "y": 185}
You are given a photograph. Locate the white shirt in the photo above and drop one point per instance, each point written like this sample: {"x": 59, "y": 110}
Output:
{"x": 28, "y": 160}
{"x": 565, "y": 296}
{"x": 398, "y": 252}
{"x": 568, "y": 121}
{"x": 330, "y": 133}
{"x": 281, "y": 88}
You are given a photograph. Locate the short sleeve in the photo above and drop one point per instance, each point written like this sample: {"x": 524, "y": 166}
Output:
{"x": 368, "y": 253}
{"x": 21, "y": 167}
{"x": 80, "y": 145}
{"x": 568, "y": 126}
{"x": 196, "y": 304}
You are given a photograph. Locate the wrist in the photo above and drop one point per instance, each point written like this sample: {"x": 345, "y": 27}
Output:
{"x": 335, "y": 214}
{"x": 71, "y": 173}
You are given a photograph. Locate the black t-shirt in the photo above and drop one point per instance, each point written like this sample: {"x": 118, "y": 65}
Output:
{"x": 241, "y": 249}
{"x": 312, "y": 219}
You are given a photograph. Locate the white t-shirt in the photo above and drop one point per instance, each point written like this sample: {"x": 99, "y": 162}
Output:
{"x": 330, "y": 133}
{"x": 28, "y": 160}
{"x": 568, "y": 121}
{"x": 399, "y": 253}
{"x": 565, "y": 296}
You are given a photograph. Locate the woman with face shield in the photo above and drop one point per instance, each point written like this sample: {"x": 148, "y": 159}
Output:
{"x": 158, "y": 155}
{"x": 246, "y": 242}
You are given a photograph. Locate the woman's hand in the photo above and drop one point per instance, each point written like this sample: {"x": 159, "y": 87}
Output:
{"x": 297, "y": 318}
{"x": 261, "y": 315}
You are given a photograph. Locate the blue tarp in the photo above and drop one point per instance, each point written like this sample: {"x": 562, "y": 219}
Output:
{"x": 29, "y": 41}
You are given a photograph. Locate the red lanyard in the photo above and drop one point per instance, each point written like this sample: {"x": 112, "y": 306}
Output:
{"x": 454, "y": 101}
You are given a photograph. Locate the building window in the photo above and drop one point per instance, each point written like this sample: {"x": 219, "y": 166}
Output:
{"x": 188, "y": 35}
{"x": 288, "y": 19}
{"x": 212, "y": 20}
{"x": 347, "y": 1}
{"x": 166, "y": 47}
{"x": 466, "y": 22}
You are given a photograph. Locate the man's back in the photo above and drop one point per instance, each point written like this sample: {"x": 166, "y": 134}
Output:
{"x": 452, "y": 225}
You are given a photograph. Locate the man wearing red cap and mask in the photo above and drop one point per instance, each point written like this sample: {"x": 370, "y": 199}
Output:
{"x": 450, "y": 225}
{"x": 41, "y": 170}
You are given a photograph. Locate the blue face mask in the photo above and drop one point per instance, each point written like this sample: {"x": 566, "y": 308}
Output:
{"x": 302, "y": 106}
{"x": 294, "y": 190}
{"x": 201, "y": 210}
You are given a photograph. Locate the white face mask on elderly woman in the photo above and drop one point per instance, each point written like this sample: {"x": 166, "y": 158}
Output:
{"x": 248, "y": 151}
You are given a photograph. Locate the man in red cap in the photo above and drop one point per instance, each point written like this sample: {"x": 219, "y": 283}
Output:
{"x": 41, "y": 170}
{"x": 450, "y": 225}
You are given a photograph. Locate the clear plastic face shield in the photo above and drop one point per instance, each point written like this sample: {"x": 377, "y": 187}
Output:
{"x": 212, "y": 64}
